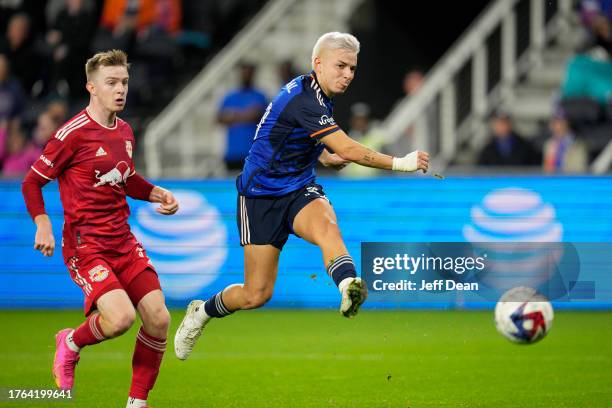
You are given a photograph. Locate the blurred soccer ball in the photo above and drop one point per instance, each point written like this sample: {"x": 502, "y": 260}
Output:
{"x": 523, "y": 315}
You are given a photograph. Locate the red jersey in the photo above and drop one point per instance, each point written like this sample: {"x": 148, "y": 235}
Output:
{"x": 91, "y": 163}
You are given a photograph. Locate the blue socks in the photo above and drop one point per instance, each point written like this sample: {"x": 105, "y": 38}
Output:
{"x": 341, "y": 268}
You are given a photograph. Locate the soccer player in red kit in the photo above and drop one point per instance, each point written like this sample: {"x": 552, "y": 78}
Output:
{"x": 91, "y": 156}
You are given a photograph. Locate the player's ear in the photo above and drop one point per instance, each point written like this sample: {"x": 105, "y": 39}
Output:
{"x": 90, "y": 87}
{"x": 317, "y": 63}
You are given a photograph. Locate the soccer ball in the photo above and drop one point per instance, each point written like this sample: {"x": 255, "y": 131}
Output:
{"x": 523, "y": 315}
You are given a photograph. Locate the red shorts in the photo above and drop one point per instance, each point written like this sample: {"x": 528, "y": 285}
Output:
{"x": 97, "y": 274}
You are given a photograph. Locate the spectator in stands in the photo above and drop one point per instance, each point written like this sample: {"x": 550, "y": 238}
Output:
{"x": 596, "y": 19}
{"x": 413, "y": 81}
{"x": 11, "y": 98}
{"x": 125, "y": 23}
{"x": 121, "y": 22}
{"x": 240, "y": 111}
{"x": 563, "y": 153}
{"x": 589, "y": 74}
{"x": 363, "y": 130}
{"x": 506, "y": 147}
{"x": 58, "y": 109}
{"x": 46, "y": 124}
{"x": 411, "y": 84}
{"x": 3, "y": 145}
{"x": 68, "y": 44}
{"x": 157, "y": 39}
{"x": 23, "y": 153}
{"x": 17, "y": 46}
{"x": 286, "y": 72}
{"x": 18, "y": 159}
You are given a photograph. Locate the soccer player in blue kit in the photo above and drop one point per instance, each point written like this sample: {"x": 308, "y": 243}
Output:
{"x": 278, "y": 193}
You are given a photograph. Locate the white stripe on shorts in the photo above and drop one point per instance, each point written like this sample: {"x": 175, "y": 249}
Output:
{"x": 245, "y": 234}
{"x": 246, "y": 223}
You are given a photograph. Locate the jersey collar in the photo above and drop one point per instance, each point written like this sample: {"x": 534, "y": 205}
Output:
{"x": 315, "y": 84}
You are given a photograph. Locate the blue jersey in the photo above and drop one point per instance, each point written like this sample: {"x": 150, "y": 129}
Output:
{"x": 287, "y": 141}
{"x": 240, "y": 135}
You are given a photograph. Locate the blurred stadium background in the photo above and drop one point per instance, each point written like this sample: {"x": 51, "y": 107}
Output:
{"x": 512, "y": 98}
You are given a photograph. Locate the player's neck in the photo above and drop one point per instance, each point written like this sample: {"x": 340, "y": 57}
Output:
{"x": 326, "y": 91}
{"x": 103, "y": 116}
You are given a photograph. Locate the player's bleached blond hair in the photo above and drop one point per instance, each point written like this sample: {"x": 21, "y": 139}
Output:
{"x": 334, "y": 41}
{"x": 112, "y": 58}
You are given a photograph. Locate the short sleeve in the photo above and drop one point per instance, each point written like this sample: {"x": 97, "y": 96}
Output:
{"x": 314, "y": 118}
{"x": 54, "y": 158}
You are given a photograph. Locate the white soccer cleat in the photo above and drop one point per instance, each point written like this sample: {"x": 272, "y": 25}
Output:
{"x": 190, "y": 329}
{"x": 353, "y": 296}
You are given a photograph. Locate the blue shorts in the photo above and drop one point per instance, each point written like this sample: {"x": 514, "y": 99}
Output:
{"x": 269, "y": 220}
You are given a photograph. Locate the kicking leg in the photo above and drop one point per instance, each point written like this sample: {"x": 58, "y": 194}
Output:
{"x": 260, "y": 270}
{"x": 317, "y": 223}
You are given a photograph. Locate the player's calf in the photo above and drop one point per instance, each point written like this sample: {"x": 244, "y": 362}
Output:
{"x": 148, "y": 354}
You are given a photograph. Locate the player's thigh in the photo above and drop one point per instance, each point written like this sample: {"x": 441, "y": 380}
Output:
{"x": 316, "y": 222}
{"x": 260, "y": 267}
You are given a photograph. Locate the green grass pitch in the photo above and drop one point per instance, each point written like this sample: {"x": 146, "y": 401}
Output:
{"x": 296, "y": 358}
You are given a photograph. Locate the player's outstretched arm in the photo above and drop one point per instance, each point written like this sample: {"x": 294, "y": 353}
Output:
{"x": 32, "y": 185}
{"x": 139, "y": 188}
{"x": 355, "y": 152}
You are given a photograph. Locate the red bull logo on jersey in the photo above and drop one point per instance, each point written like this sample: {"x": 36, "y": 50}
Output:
{"x": 117, "y": 175}
{"x": 98, "y": 273}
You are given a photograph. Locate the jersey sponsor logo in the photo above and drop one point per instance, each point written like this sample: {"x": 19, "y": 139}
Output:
{"x": 128, "y": 148}
{"x": 98, "y": 273}
{"x": 100, "y": 152}
{"x": 290, "y": 86}
{"x": 46, "y": 161}
{"x": 119, "y": 174}
{"x": 263, "y": 119}
{"x": 326, "y": 120}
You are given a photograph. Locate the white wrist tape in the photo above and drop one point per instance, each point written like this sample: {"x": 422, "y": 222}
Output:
{"x": 406, "y": 163}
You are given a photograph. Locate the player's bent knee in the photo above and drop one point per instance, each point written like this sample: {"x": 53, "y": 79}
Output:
{"x": 160, "y": 320}
{"x": 120, "y": 323}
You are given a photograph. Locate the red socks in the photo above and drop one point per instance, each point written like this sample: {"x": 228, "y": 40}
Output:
{"x": 147, "y": 358}
{"x": 90, "y": 332}
{"x": 148, "y": 355}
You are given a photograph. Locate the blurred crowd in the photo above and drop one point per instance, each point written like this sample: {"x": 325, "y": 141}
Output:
{"x": 44, "y": 45}
{"x": 581, "y": 123}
